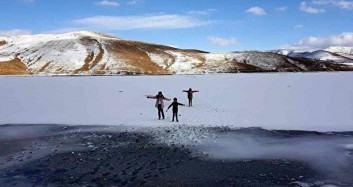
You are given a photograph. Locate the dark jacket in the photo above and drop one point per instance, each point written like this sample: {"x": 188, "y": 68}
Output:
{"x": 175, "y": 106}
{"x": 190, "y": 93}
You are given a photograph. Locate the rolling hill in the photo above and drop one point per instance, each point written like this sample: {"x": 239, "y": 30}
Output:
{"x": 92, "y": 53}
{"x": 332, "y": 54}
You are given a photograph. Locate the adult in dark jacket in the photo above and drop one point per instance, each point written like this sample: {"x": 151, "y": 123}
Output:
{"x": 190, "y": 95}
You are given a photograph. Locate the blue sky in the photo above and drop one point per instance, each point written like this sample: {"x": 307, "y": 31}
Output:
{"x": 211, "y": 25}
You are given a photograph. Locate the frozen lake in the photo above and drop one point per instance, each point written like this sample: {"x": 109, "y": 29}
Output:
{"x": 91, "y": 143}
{"x": 296, "y": 101}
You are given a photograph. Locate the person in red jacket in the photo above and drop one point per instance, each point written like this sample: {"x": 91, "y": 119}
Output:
{"x": 190, "y": 95}
{"x": 159, "y": 103}
{"x": 175, "y": 105}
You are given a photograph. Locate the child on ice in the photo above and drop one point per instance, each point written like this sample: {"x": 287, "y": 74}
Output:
{"x": 190, "y": 95}
{"x": 175, "y": 105}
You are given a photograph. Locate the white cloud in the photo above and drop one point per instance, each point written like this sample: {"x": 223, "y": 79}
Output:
{"x": 343, "y": 4}
{"x": 299, "y": 26}
{"x": 165, "y": 21}
{"x": 305, "y": 8}
{"x": 107, "y": 3}
{"x": 132, "y": 2}
{"x": 221, "y": 42}
{"x": 315, "y": 43}
{"x": 14, "y": 32}
{"x": 284, "y": 8}
{"x": 257, "y": 11}
{"x": 201, "y": 12}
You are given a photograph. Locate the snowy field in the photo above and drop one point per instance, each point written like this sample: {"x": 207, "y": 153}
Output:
{"x": 296, "y": 101}
{"x": 108, "y": 128}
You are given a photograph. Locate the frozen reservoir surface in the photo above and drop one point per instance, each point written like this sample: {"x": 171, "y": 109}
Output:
{"x": 81, "y": 130}
{"x": 287, "y": 101}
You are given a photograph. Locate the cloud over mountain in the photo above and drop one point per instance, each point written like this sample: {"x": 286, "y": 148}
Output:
{"x": 164, "y": 21}
{"x": 221, "y": 42}
{"x": 315, "y": 43}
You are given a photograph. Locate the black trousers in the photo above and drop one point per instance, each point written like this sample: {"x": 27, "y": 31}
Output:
{"x": 190, "y": 101}
{"x": 175, "y": 114}
{"x": 160, "y": 111}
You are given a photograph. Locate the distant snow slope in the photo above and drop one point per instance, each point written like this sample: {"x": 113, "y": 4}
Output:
{"x": 310, "y": 101}
{"x": 340, "y": 50}
{"x": 343, "y": 51}
{"x": 322, "y": 55}
{"x": 91, "y": 53}
{"x": 331, "y": 54}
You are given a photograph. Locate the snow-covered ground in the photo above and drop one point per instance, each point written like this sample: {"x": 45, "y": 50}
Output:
{"x": 301, "y": 101}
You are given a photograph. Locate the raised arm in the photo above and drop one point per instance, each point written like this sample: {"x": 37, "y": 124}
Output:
{"x": 181, "y": 104}
{"x": 170, "y": 106}
{"x": 151, "y": 97}
{"x": 185, "y": 91}
{"x": 164, "y": 98}
{"x": 195, "y": 91}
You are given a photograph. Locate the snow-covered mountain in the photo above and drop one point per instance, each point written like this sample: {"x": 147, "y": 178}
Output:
{"x": 91, "y": 53}
{"x": 340, "y": 50}
{"x": 343, "y": 51}
{"x": 331, "y": 54}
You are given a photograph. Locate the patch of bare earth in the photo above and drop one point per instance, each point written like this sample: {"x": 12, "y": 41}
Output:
{"x": 199, "y": 57}
{"x": 2, "y": 43}
{"x": 85, "y": 67}
{"x": 13, "y": 67}
{"x": 101, "y": 70}
{"x": 169, "y": 59}
{"x": 97, "y": 60}
{"x": 90, "y": 61}
{"x": 230, "y": 66}
{"x": 339, "y": 67}
{"x": 241, "y": 67}
{"x": 135, "y": 56}
{"x": 43, "y": 68}
{"x": 311, "y": 65}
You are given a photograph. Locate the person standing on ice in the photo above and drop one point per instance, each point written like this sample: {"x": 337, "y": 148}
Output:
{"x": 159, "y": 103}
{"x": 190, "y": 95}
{"x": 175, "y": 105}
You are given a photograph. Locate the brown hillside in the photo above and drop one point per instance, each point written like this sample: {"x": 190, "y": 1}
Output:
{"x": 13, "y": 67}
{"x": 137, "y": 59}
{"x": 2, "y": 43}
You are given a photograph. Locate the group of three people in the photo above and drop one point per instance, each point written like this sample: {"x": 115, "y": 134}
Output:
{"x": 160, "y": 103}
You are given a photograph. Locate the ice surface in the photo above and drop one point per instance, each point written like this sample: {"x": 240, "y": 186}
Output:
{"x": 302, "y": 101}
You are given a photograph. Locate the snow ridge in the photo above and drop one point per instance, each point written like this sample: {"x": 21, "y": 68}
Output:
{"x": 335, "y": 54}
{"x": 93, "y": 53}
